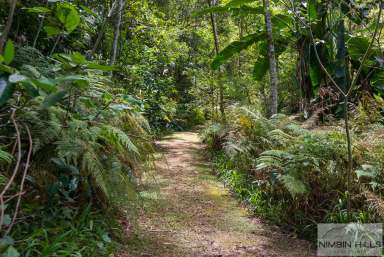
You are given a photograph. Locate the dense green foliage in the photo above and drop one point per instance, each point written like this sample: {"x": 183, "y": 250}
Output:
{"x": 294, "y": 176}
{"x": 86, "y": 86}
{"x": 81, "y": 99}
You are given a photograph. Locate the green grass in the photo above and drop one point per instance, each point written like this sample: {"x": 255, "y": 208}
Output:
{"x": 65, "y": 231}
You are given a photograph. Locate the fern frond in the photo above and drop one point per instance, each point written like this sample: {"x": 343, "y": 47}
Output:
{"x": 253, "y": 114}
{"x": 232, "y": 149}
{"x": 294, "y": 129}
{"x": 293, "y": 185}
{"x": 280, "y": 138}
{"x": 5, "y": 156}
{"x": 117, "y": 138}
{"x": 273, "y": 158}
{"x": 91, "y": 164}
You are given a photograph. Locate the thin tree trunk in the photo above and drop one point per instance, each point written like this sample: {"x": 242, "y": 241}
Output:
{"x": 38, "y": 31}
{"x": 116, "y": 34}
{"x": 102, "y": 29}
{"x": 217, "y": 49}
{"x": 55, "y": 45}
{"x": 272, "y": 59}
{"x": 41, "y": 23}
{"x": 241, "y": 34}
{"x": 8, "y": 25}
{"x": 98, "y": 40}
{"x": 214, "y": 26}
{"x": 350, "y": 158}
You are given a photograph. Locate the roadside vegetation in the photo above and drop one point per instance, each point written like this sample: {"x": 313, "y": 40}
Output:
{"x": 289, "y": 93}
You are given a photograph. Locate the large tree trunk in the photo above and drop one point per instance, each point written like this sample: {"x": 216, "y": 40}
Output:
{"x": 7, "y": 28}
{"x": 217, "y": 49}
{"x": 116, "y": 33}
{"x": 272, "y": 59}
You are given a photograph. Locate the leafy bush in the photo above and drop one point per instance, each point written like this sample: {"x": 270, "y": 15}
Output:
{"x": 274, "y": 164}
{"x": 64, "y": 231}
{"x": 213, "y": 135}
{"x": 88, "y": 144}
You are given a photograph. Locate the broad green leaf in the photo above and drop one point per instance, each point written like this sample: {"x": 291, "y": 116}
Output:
{"x": 52, "y": 30}
{"x": 1, "y": 59}
{"x": 312, "y": 10}
{"x": 30, "y": 88}
{"x": 39, "y": 10}
{"x": 80, "y": 81}
{"x": 214, "y": 9}
{"x": 236, "y": 47}
{"x": 101, "y": 67}
{"x": 281, "y": 21}
{"x": 260, "y": 69}
{"x": 357, "y": 46}
{"x": 63, "y": 58}
{"x": 89, "y": 11}
{"x": 53, "y": 99}
{"x": 15, "y": 78}
{"x": 78, "y": 58}
{"x": 238, "y": 3}
{"x": 11, "y": 252}
{"x": 245, "y": 9}
{"x": 314, "y": 75}
{"x": 68, "y": 16}
{"x": 9, "y": 52}
{"x": 47, "y": 85}
{"x": 71, "y": 78}
{"x": 7, "y": 69}
{"x": 377, "y": 81}
{"x": 236, "y": 6}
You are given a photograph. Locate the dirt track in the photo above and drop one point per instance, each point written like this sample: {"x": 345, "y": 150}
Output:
{"x": 188, "y": 212}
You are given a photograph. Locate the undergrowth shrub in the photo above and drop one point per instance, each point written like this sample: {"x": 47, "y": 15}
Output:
{"x": 65, "y": 231}
{"x": 297, "y": 177}
{"x": 74, "y": 142}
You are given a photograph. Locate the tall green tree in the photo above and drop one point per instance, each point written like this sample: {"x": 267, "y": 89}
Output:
{"x": 272, "y": 58}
